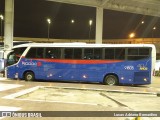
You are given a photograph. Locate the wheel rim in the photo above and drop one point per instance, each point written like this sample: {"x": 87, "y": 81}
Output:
{"x": 29, "y": 77}
{"x": 111, "y": 81}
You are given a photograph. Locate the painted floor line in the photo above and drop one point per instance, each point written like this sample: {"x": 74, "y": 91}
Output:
{"x": 4, "y": 87}
{"x": 23, "y": 92}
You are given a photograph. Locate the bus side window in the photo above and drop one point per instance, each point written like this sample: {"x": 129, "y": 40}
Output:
{"x": 132, "y": 51}
{"x": 73, "y": 53}
{"x": 19, "y": 51}
{"x": 97, "y": 53}
{"x": 138, "y": 53}
{"x": 91, "y": 53}
{"x": 68, "y": 53}
{"x": 120, "y": 53}
{"x": 144, "y": 51}
{"x": 35, "y": 53}
{"x": 109, "y": 53}
{"x": 39, "y": 52}
{"x": 53, "y": 53}
{"x": 77, "y": 53}
{"x": 31, "y": 53}
{"x": 88, "y": 53}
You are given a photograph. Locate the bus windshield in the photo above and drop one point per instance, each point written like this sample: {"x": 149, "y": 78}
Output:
{"x": 14, "y": 56}
{"x": 11, "y": 59}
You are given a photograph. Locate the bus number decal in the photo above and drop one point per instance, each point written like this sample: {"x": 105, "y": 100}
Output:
{"x": 129, "y": 67}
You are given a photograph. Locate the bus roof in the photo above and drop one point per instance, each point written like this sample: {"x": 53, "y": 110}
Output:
{"x": 81, "y": 45}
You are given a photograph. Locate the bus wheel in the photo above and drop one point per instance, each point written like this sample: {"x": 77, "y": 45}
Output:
{"x": 111, "y": 80}
{"x": 29, "y": 76}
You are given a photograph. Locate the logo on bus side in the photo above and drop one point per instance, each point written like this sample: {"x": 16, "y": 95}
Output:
{"x": 129, "y": 67}
{"x": 142, "y": 67}
{"x": 29, "y": 63}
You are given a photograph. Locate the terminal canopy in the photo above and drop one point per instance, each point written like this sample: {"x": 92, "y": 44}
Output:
{"x": 145, "y": 7}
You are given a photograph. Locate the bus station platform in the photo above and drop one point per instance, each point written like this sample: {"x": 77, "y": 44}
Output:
{"x": 19, "y": 95}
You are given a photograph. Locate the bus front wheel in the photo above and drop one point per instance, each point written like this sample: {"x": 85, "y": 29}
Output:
{"x": 29, "y": 76}
{"x": 111, "y": 80}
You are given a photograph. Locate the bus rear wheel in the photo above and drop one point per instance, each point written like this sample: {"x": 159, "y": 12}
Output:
{"x": 29, "y": 76}
{"x": 110, "y": 80}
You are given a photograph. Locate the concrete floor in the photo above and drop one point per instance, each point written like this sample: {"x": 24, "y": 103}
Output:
{"x": 79, "y": 97}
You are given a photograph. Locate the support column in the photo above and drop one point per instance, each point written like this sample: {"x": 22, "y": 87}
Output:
{"x": 99, "y": 25}
{"x": 8, "y": 26}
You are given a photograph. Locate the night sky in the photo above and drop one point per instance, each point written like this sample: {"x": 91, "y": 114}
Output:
{"x": 30, "y": 21}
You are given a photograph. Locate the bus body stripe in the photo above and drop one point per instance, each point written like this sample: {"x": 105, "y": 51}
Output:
{"x": 84, "y": 61}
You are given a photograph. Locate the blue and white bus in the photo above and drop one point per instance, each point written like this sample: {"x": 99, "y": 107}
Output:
{"x": 110, "y": 64}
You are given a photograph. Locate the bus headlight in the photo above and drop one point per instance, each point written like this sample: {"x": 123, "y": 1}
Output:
{"x": 16, "y": 75}
{"x": 145, "y": 79}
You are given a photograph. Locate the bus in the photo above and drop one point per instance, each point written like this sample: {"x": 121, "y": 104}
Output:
{"x": 111, "y": 64}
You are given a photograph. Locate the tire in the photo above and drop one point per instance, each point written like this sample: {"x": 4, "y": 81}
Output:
{"x": 111, "y": 80}
{"x": 29, "y": 76}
